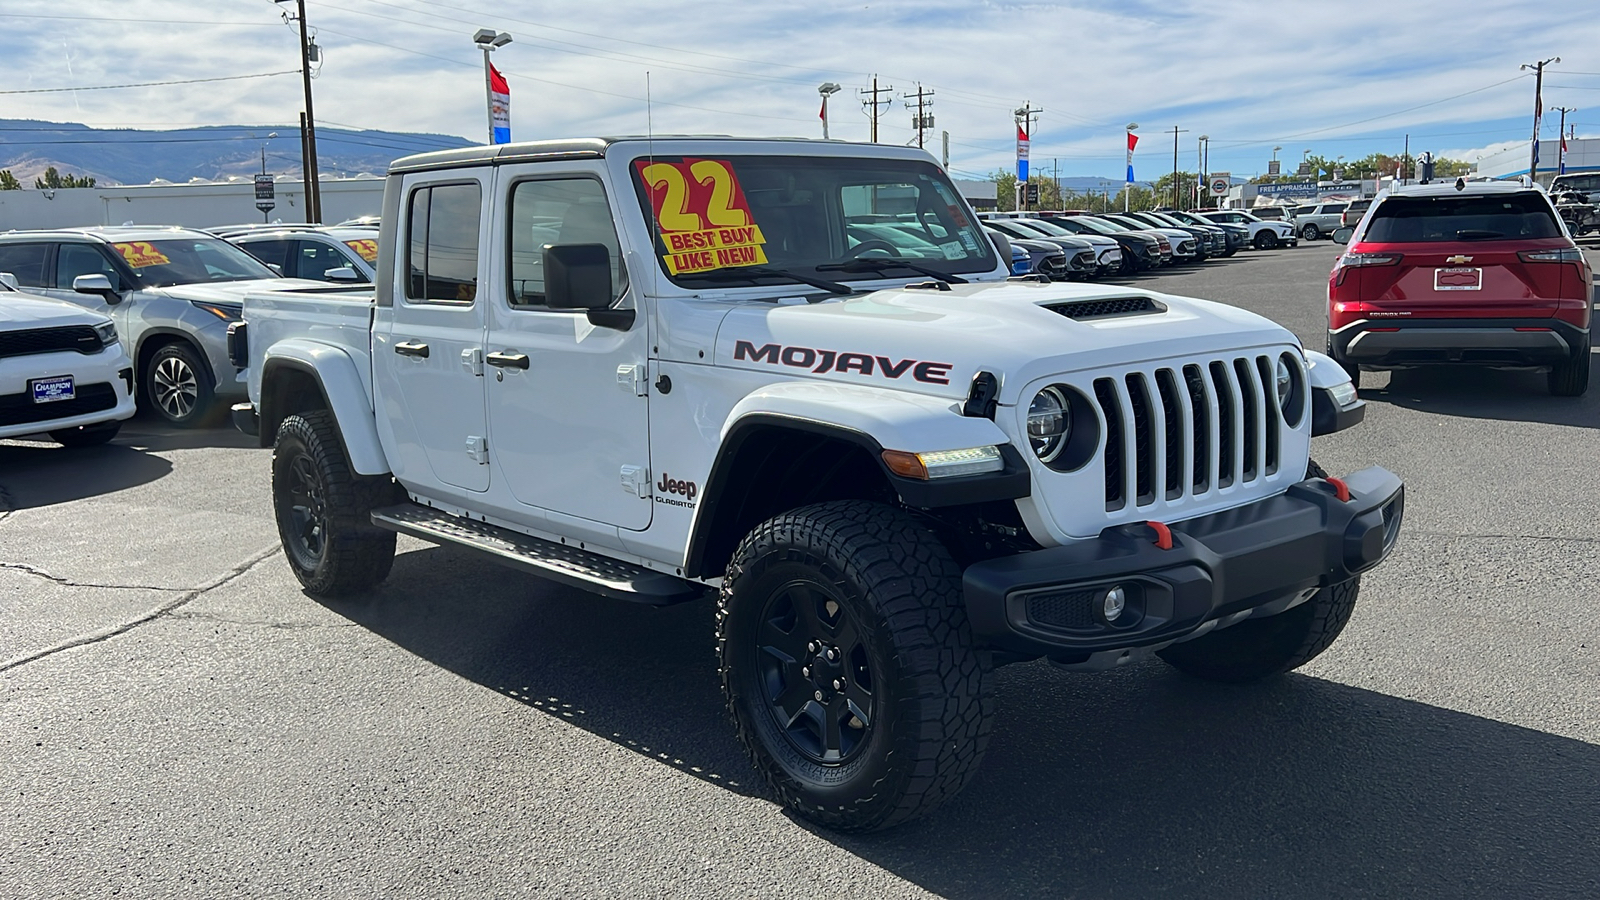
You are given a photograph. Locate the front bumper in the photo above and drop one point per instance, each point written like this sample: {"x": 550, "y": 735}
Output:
{"x": 1397, "y": 343}
{"x": 1257, "y": 559}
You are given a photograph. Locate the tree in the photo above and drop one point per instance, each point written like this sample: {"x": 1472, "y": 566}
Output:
{"x": 8, "y": 181}
{"x": 53, "y": 180}
{"x": 1163, "y": 189}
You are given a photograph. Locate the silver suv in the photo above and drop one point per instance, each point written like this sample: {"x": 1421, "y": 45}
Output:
{"x": 171, "y": 293}
{"x": 1319, "y": 221}
{"x": 338, "y": 254}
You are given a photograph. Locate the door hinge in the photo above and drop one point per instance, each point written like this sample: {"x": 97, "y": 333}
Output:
{"x": 472, "y": 360}
{"x": 633, "y": 377}
{"x": 636, "y": 481}
{"x": 478, "y": 449}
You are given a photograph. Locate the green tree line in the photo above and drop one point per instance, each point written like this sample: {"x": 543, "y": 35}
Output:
{"x": 51, "y": 180}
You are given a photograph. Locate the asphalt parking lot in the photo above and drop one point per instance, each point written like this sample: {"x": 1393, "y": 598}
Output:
{"x": 178, "y": 720}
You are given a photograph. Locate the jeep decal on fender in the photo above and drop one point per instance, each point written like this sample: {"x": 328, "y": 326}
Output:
{"x": 819, "y": 361}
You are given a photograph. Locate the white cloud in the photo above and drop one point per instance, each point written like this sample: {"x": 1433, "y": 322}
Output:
{"x": 1249, "y": 74}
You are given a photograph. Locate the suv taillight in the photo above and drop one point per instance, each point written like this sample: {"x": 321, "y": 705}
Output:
{"x": 1569, "y": 255}
{"x": 1356, "y": 260}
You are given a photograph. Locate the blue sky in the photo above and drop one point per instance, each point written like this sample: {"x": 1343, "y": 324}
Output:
{"x": 1348, "y": 78}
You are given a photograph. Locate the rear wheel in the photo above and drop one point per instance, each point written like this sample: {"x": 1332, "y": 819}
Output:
{"x": 1310, "y": 233}
{"x": 86, "y": 435}
{"x": 849, "y": 667}
{"x": 1571, "y": 378}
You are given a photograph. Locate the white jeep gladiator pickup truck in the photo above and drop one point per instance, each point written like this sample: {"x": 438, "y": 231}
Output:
{"x": 680, "y": 368}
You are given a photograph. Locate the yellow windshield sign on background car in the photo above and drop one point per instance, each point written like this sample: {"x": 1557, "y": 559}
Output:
{"x": 702, "y": 214}
{"x": 366, "y": 249}
{"x": 141, "y": 254}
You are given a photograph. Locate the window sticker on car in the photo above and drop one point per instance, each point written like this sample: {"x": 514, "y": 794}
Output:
{"x": 703, "y": 216}
{"x": 367, "y": 250}
{"x": 141, "y": 254}
{"x": 953, "y": 250}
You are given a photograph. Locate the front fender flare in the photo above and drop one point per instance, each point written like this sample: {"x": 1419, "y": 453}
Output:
{"x": 342, "y": 388}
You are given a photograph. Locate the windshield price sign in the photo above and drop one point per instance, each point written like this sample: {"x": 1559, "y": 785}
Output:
{"x": 702, "y": 214}
{"x": 265, "y": 193}
{"x": 141, "y": 254}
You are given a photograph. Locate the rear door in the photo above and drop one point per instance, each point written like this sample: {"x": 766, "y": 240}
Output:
{"x": 427, "y": 348}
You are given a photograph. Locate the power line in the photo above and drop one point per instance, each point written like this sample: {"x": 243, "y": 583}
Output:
{"x": 109, "y": 87}
{"x": 138, "y": 21}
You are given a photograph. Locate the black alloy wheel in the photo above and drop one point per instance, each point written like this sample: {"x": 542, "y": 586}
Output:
{"x": 1266, "y": 240}
{"x": 815, "y": 672}
{"x": 306, "y": 531}
{"x": 324, "y": 510}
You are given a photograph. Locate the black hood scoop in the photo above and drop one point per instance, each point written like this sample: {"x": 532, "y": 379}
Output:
{"x": 1107, "y": 308}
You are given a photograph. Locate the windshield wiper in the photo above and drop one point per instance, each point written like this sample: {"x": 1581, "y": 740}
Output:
{"x": 867, "y": 264}
{"x": 742, "y": 272}
{"x": 1476, "y": 234}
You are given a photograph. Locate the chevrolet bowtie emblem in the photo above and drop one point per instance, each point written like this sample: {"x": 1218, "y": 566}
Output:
{"x": 1459, "y": 260}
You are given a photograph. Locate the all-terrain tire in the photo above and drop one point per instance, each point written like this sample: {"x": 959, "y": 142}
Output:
{"x": 882, "y": 588}
{"x": 1260, "y": 648}
{"x": 1571, "y": 378}
{"x": 86, "y": 435}
{"x": 323, "y": 509}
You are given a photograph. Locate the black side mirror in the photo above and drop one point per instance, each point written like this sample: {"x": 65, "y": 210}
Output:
{"x": 577, "y": 276}
{"x": 97, "y": 284}
{"x": 1343, "y": 235}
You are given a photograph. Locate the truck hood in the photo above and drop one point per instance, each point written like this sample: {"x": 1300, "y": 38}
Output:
{"x": 934, "y": 341}
{"x": 21, "y": 311}
{"x": 232, "y": 293}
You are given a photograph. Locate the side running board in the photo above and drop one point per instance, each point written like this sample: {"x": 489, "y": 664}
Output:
{"x": 558, "y": 562}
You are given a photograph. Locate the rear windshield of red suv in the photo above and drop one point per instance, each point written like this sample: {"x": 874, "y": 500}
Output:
{"x": 1406, "y": 220}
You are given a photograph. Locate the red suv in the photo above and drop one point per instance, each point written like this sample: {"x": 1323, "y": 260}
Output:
{"x": 1462, "y": 274}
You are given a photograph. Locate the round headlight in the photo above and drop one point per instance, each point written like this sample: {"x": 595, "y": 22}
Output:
{"x": 1285, "y": 381}
{"x": 1049, "y": 422}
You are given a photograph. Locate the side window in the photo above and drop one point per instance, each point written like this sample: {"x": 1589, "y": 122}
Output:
{"x": 273, "y": 253}
{"x": 26, "y": 261}
{"x": 313, "y": 260}
{"x": 558, "y": 211}
{"x": 442, "y": 244}
{"x": 73, "y": 260}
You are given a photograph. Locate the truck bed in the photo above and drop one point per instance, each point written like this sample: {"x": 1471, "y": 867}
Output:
{"x": 336, "y": 316}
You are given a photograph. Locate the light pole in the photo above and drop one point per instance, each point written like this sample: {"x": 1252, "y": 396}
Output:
{"x": 489, "y": 40}
{"x": 1127, "y": 190}
{"x": 826, "y": 89}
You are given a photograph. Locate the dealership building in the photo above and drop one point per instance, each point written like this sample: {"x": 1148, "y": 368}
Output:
{"x": 1583, "y": 155}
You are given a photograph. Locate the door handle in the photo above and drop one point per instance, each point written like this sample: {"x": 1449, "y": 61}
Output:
{"x": 412, "y": 348}
{"x": 508, "y": 360}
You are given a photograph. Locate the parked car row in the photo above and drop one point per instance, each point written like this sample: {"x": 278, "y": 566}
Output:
{"x": 1136, "y": 241}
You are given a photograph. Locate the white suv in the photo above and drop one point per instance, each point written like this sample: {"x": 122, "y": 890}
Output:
{"x": 62, "y": 370}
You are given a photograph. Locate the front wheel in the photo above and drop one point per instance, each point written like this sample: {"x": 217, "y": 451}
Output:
{"x": 1310, "y": 233}
{"x": 323, "y": 509}
{"x": 849, "y": 666}
{"x": 86, "y": 435}
{"x": 1266, "y": 240}
{"x": 178, "y": 384}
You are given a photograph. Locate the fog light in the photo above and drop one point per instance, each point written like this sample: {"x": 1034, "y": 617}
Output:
{"x": 1115, "y": 601}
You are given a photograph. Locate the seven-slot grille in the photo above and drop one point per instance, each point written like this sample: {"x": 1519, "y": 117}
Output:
{"x": 1183, "y": 430}
{"x": 81, "y": 338}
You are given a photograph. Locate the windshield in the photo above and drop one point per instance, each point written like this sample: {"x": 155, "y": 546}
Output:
{"x": 174, "y": 261}
{"x": 806, "y": 215}
{"x": 1401, "y": 220}
{"x": 1045, "y": 226}
{"x": 1104, "y": 226}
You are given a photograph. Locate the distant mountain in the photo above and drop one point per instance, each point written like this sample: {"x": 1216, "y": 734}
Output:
{"x": 128, "y": 156}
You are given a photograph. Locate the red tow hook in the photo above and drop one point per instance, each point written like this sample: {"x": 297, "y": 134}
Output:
{"x": 1340, "y": 489}
{"x": 1163, "y": 535}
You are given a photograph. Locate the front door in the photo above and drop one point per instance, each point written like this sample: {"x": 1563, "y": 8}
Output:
{"x": 568, "y": 415}
{"x": 427, "y": 348}
{"x": 74, "y": 258}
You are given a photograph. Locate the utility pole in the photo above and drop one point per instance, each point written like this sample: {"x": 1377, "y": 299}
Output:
{"x": 1538, "y": 112}
{"x": 874, "y": 104}
{"x": 308, "y": 120}
{"x": 1561, "y": 132}
{"x": 1175, "y": 195}
{"x": 923, "y": 121}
